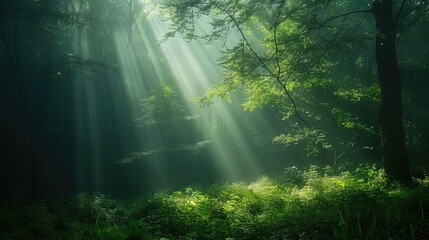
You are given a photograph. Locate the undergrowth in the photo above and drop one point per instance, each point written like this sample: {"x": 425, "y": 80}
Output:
{"x": 316, "y": 203}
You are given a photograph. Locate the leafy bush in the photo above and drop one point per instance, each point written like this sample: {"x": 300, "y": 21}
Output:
{"x": 316, "y": 203}
{"x": 304, "y": 204}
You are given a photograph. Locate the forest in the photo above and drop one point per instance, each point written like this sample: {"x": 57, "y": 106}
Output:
{"x": 214, "y": 119}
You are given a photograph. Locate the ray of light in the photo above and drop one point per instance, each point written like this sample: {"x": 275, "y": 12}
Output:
{"x": 86, "y": 123}
{"x": 143, "y": 65}
{"x": 195, "y": 65}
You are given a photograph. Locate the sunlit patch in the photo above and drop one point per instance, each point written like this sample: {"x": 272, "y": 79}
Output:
{"x": 145, "y": 64}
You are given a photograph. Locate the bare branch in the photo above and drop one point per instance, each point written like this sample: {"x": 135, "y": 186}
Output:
{"x": 345, "y": 15}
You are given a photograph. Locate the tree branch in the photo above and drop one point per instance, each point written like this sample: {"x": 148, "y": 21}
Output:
{"x": 400, "y": 11}
{"x": 345, "y": 15}
{"x": 264, "y": 65}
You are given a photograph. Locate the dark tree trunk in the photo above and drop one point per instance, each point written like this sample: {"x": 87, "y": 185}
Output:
{"x": 393, "y": 138}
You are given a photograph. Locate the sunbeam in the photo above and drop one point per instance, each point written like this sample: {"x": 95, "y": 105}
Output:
{"x": 194, "y": 64}
{"x": 214, "y": 119}
{"x": 155, "y": 88}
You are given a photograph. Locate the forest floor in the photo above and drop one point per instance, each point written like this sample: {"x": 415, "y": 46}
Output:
{"x": 317, "y": 203}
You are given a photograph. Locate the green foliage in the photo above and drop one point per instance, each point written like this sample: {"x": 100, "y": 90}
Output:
{"x": 359, "y": 92}
{"x": 314, "y": 140}
{"x": 316, "y": 203}
{"x": 164, "y": 107}
{"x": 104, "y": 213}
{"x": 283, "y": 54}
{"x": 169, "y": 123}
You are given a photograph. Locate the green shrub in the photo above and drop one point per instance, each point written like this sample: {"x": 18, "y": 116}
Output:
{"x": 313, "y": 203}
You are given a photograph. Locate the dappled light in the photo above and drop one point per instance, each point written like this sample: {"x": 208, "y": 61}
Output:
{"x": 312, "y": 203}
{"x": 214, "y": 119}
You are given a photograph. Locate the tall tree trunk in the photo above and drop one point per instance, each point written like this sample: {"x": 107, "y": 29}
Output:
{"x": 393, "y": 138}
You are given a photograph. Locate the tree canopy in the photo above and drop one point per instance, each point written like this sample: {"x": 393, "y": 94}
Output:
{"x": 293, "y": 55}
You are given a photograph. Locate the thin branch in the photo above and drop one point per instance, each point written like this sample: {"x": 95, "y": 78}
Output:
{"x": 265, "y": 66}
{"x": 417, "y": 18}
{"x": 400, "y": 11}
{"x": 345, "y": 15}
{"x": 276, "y": 44}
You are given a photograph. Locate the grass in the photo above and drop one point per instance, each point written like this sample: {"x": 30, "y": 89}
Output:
{"x": 314, "y": 203}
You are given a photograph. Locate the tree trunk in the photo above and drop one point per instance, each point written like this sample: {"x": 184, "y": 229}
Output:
{"x": 395, "y": 156}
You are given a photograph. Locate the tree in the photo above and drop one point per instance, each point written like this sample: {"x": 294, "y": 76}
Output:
{"x": 280, "y": 52}
{"x": 393, "y": 138}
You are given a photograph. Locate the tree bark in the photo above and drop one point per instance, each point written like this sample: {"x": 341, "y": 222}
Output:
{"x": 395, "y": 157}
